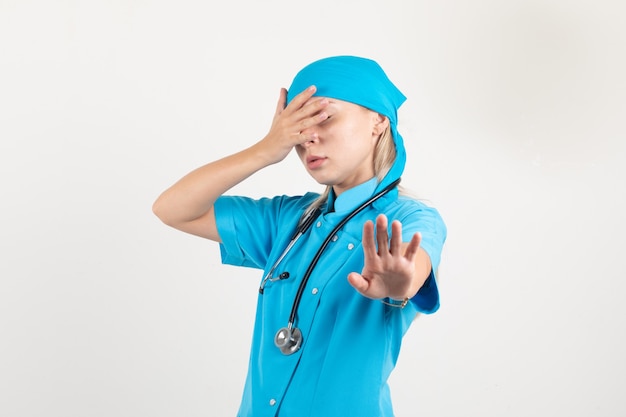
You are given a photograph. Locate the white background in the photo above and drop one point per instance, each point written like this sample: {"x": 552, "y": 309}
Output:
{"x": 515, "y": 131}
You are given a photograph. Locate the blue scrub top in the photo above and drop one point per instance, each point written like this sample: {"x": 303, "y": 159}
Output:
{"x": 351, "y": 343}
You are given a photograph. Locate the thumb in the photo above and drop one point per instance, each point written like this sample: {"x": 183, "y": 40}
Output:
{"x": 282, "y": 101}
{"x": 358, "y": 282}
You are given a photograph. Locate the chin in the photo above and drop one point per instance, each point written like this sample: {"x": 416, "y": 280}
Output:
{"x": 323, "y": 181}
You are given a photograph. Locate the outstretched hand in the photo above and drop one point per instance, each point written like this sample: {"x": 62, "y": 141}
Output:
{"x": 390, "y": 269}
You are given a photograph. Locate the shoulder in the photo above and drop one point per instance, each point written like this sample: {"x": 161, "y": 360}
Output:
{"x": 416, "y": 215}
{"x": 408, "y": 206}
{"x": 298, "y": 202}
{"x": 289, "y": 204}
{"x": 282, "y": 204}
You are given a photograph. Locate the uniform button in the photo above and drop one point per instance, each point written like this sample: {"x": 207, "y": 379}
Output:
{"x": 314, "y": 291}
{"x": 350, "y": 246}
{"x": 272, "y": 402}
{"x": 319, "y": 224}
{"x": 335, "y": 238}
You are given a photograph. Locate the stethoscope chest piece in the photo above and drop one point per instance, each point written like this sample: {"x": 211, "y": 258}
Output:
{"x": 288, "y": 340}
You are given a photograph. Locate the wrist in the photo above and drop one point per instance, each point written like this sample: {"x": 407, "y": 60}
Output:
{"x": 268, "y": 151}
{"x": 392, "y": 302}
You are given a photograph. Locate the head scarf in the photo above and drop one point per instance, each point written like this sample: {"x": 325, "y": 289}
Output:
{"x": 360, "y": 81}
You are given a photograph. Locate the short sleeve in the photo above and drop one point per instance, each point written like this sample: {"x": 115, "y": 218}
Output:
{"x": 248, "y": 227}
{"x": 428, "y": 222}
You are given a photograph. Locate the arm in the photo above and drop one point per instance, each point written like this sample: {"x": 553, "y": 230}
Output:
{"x": 396, "y": 269}
{"x": 188, "y": 204}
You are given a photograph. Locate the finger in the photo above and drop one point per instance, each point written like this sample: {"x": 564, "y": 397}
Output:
{"x": 358, "y": 282}
{"x": 382, "y": 237}
{"x": 368, "y": 243}
{"x": 411, "y": 250}
{"x": 282, "y": 101}
{"x": 299, "y": 100}
{"x": 313, "y": 106}
{"x": 311, "y": 114}
{"x": 396, "y": 238}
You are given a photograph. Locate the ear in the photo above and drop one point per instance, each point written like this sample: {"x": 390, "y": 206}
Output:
{"x": 380, "y": 123}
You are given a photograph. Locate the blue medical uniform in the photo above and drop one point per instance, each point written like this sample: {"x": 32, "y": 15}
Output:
{"x": 351, "y": 343}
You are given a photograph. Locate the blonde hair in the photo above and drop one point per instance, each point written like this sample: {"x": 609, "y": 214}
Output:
{"x": 384, "y": 157}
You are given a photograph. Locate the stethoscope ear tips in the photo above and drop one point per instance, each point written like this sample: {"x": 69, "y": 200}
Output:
{"x": 288, "y": 340}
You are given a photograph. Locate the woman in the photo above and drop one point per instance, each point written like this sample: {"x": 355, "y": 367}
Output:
{"x": 336, "y": 297}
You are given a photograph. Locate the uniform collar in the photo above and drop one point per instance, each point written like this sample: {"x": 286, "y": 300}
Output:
{"x": 352, "y": 198}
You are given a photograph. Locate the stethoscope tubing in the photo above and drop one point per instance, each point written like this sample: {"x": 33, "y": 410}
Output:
{"x": 303, "y": 225}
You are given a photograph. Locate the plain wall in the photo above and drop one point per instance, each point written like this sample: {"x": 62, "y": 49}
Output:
{"x": 514, "y": 128}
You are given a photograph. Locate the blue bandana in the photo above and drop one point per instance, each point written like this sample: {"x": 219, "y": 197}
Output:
{"x": 360, "y": 81}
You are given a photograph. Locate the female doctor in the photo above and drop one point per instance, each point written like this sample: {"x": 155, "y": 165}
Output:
{"x": 345, "y": 272}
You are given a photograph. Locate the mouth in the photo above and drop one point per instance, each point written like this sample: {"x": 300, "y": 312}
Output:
{"x": 314, "y": 161}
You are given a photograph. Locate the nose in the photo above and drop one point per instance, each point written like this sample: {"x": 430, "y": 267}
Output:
{"x": 310, "y": 133}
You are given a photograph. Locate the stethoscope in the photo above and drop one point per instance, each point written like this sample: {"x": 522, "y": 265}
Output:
{"x": 289, "y": 339}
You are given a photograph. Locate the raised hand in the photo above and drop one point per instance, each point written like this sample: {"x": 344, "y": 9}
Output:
{"x": 289, "y": 123}
{"x": 188, "y": 204}
{"x": 390, "y": 265}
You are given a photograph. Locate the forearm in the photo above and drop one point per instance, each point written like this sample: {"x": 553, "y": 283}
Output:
{"x": 194, "y": 195}
{"x": 420, "y": 275}
{"x": 188, "y": 204}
